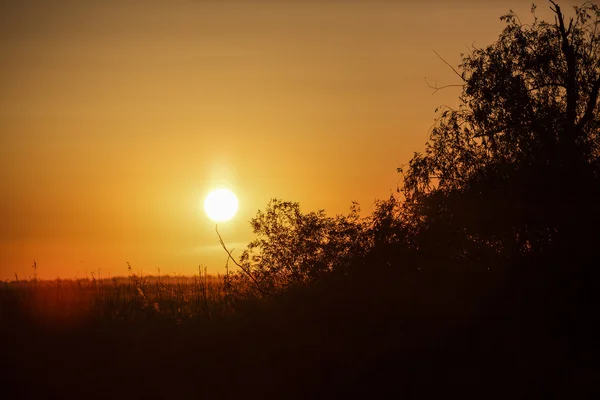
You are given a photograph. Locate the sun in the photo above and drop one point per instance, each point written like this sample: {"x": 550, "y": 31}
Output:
{"x": 221, "y": 205}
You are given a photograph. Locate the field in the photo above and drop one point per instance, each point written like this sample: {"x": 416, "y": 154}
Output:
{"x": 63, "y": 302}
{"x": 188, "y": 337}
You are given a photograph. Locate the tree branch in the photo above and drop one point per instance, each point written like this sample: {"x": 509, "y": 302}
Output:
{"x": 490, "y": 133}
{"x": 534, "y": 88}
{"x": 591, "y": 105}
{"x": 236, "y": 263}
{"x": 448, "y": 178}
{"x": 436, "y": 88}
{"x": 451, "y": 67}
{"x": 572, "y": 93}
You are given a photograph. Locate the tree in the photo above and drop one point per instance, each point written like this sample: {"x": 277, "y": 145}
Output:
{"x": 294, "y": 248}
{"x": 516, "y": 167}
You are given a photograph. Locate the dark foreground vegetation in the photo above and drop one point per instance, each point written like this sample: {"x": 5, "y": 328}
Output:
{"x": 481, "y": 275}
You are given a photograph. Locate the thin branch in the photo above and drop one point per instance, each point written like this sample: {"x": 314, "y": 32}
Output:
{"x": 469, "y": 49}
{"x": 518, "y": 19}
{"x": 490, "y": 133}
{"x": 592, "y": 36}
{"x": 569, "y": 53}
{"x": 450, "y": 108}
{"x": 534, "y": 88}
{"x": 451, "y": 67}
{"x": 450, "y": 178}
{"x": 591, "y": 106}
{"x": 236, "y": 263}
{"x": 436, "y": 88}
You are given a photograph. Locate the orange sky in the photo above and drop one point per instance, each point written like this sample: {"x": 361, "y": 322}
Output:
{"x": 118, "y": 117}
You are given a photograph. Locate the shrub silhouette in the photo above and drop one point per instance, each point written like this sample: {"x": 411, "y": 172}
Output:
{"x": 293, "y": 248}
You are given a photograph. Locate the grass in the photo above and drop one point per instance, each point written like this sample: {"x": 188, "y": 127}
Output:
{"x": 135, "y": 297}
{"x": 188, "y": 337}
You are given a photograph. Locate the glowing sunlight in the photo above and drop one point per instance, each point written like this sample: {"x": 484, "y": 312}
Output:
{"x": 221, "y": 205}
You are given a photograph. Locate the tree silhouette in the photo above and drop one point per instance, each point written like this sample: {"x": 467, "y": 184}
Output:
{"x": 294, "y": 248}
{"x": 515, "y": 168}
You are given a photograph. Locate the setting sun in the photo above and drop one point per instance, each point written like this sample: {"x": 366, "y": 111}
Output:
{"x": 221, "y": 205}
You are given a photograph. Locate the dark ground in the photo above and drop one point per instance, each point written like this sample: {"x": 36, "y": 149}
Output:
{"x": 416, "y": 341}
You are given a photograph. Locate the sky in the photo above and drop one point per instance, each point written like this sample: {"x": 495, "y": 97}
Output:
{"x": 117, "y": 118}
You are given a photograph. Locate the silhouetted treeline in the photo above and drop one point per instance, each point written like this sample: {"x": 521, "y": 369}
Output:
{"x": 481, "y": 272}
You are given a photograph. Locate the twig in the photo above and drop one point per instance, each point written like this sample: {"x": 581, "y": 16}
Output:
{"x": 451, "y": 67}
{"x": 236, "y": 263}
{"x": 436, "y": 88}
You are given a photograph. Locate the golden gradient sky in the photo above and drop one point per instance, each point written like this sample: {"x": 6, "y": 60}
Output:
{"x": 117, "y": 117}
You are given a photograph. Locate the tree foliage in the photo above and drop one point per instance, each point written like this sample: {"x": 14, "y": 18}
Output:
{"x": 512, "y": 173}
{"x": 296, "y": 248}
{"x": 518, "y": 162}
{"x": 293, "y": 248}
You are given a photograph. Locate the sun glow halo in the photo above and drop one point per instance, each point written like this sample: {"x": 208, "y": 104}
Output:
{"x": 221, "y": 205}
